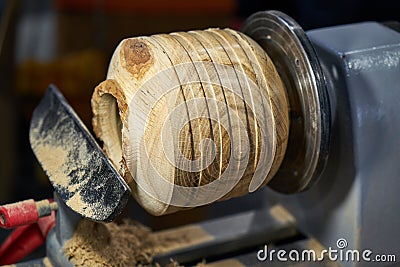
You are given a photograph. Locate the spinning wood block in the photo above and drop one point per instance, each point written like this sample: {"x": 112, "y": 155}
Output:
{"x": 190, "y": 118}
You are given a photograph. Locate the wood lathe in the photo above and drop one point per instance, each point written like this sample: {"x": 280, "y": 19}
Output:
{"x": 192, "y": 118}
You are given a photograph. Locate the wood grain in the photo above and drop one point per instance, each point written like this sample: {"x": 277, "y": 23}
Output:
{"x": 227, "y": 92}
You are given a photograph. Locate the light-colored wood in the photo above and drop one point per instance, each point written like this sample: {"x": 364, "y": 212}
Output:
{"x": 228, "y": 91}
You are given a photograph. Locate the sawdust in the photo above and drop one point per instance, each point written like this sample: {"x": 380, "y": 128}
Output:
{"x": 281, "y": 214}
{"x": 54, "y": 158}
{"x": 68, "y": 162}
{"x": 127, "y": 244}
{"x": 64, "y": 173}
{"x": 52, "y": 147}
{"x": 47, "y": 263}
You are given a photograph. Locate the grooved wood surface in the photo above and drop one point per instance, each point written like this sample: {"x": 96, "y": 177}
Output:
{"x": 199, "y": 109}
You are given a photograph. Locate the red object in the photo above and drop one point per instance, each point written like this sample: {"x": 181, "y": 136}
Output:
{"x": 25, "y": 239}
{"x": 31, "y": 231}
{"x": 17, "y": 214}
{"x": 20, "y": 243}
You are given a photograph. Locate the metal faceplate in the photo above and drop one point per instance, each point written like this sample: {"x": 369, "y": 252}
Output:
{"x": 297, "y": 64}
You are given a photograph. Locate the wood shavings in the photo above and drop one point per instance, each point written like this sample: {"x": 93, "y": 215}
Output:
{"x": 127, "y": 244}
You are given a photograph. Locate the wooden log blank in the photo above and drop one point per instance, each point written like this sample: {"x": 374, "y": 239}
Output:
{"x": 205, "y": 111}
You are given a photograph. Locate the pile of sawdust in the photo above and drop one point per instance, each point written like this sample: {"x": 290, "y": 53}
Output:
{"x": 127, "y": 244}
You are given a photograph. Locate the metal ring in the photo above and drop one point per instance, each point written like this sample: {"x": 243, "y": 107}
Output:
{"x": 297, "y": 64}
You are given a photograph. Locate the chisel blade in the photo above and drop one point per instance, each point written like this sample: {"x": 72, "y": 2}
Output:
{"x": 79, "y": 171}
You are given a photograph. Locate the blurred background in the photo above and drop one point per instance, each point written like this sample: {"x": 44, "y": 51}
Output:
{"x": 70, "y": 42}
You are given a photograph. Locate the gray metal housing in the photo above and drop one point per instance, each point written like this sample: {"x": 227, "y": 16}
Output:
{"x": 358, "y": 194}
